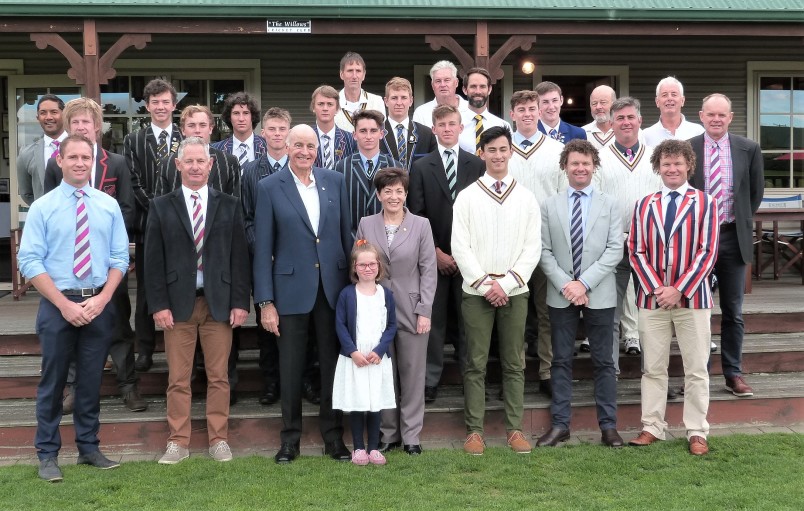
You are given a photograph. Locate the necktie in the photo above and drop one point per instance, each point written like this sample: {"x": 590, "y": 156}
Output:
{"x": 526, "y": 143}
{"x": 242, "y": 158}
{"x": 452, "y": 176}
{"x": 716, "y": 179}
{"x": 401, "y": 145}
{"x": 670, "y": 217}
{"x": 82, "y": 263}
{"x": 55, "y": 145}
{"x": 198, "y": 228}
{"x": 498, "y": 187}
{"x": 554, "y": 134}
{"x": 277, "y": 167}
{"x": 327, "y": 152}
{"x": 629, "y": 154}
{"x": 576, "y": 234}
{"x": 369, "y": 168}
{"x": 161, "y": 147}
{"x": 478, "y": 132}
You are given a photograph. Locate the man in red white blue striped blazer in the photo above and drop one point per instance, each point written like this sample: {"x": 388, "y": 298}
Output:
{"x": 673, "y": 247}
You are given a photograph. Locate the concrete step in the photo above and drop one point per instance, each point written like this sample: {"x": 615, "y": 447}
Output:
{"x": 778, "y": 401}
{"x": 19, "y": 374}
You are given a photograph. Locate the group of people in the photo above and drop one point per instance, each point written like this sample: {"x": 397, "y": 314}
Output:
{"x": 451, "y": 227}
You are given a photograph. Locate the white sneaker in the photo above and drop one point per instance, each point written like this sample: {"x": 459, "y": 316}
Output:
{"x": 221, "y": 451}
{"x": 632, "y": 346}
{"x": 174, "y": 454}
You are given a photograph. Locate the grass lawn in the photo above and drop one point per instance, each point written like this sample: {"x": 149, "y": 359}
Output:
{"x": 741, "y": 472}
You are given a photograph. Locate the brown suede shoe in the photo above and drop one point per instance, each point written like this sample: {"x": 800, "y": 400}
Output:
{"x": 643, "y": 439}
{"x": 474, "y": 444}
{"x": 738, "y": 387}
{"x": 698, "y": 446}
{"x": 518, "y": 443}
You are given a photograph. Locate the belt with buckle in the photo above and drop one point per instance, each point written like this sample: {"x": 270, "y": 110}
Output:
{"x": 84, "y": 292}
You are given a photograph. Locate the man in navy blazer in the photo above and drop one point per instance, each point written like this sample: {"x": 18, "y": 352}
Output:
{"x": 301, "y": 249}
{"x": 334, "y": 144}
{"x": 242, "y": 114}
{"x": 742, "y": 175}
{"x": 405, "y": 140}
{"x": 550, "y": 102}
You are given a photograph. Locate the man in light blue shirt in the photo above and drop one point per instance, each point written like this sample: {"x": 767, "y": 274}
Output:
{"x": 76, "y": 279}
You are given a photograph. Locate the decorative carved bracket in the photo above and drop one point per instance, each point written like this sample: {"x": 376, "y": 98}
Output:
{"x": 78, "y": 70}
{"x": 494, "y": 63}
{"x": 106, "y": 71}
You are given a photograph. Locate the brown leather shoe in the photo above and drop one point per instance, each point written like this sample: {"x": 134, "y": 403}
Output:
{"x": 738, "y": 387}
{"x": 518, "y": 443}
{"x": 474, "y": 444}
{"x": 698, "y": 446}
{"x": 643, "y": 439}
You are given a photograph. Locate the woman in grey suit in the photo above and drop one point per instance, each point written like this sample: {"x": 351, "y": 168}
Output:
{"x": 406, "y": 247}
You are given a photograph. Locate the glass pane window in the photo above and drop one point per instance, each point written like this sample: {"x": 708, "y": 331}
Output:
{"x": 781, "y": 129}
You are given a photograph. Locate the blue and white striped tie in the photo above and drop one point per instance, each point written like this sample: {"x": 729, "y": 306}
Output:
{"x": 576, "y": 234}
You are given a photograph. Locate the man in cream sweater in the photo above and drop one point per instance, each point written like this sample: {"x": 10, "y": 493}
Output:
{"x": 496, "y": 243}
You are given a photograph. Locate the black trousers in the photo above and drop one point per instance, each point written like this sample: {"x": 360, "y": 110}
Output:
{"x": 294, "y": 332}
{"x": 143, "y": 322}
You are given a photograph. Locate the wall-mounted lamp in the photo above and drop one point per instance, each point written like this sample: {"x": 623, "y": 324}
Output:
{"x": 528, "y": 66}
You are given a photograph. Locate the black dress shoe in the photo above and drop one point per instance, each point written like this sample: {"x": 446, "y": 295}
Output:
{"x": 413, "y": 449}
{"x": 287, "y": 453}
{"x": 143, "y": 363}
{"x": 430, "y": 394}
{"x": 385, "y": 447}
{"x": 311, "y": 394}
{"x": 546, "y": 388}
{"x": 98, "y": 460}
{"x": 337, "y": 451}
{"x": 553, "y": 437}
{"x": 270, "y": 395}
{"x": 611, "y": 438}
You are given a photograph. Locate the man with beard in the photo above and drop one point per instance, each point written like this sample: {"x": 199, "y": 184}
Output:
{"x": 477, "y": 119}
{"x": 599, "y": 131}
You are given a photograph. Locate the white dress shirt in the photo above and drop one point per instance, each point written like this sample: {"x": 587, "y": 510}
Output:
{"x": 188, "y": 202}
{"x": 309, "y": 196}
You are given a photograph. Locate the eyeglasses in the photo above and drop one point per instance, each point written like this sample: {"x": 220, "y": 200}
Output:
{"x": 367, "y": 266}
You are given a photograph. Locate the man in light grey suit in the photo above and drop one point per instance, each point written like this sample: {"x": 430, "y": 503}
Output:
{"x": 582, "y": 243}
{"x": 33, "y": 157}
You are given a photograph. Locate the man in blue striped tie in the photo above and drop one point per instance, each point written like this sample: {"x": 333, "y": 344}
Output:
{"x": 581, "y": 280}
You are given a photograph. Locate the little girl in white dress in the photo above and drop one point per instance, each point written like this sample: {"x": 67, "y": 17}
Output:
{"x": 366, "y": 325}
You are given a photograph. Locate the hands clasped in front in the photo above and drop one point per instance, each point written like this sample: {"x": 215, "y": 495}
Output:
{"x": 81, "y": 314}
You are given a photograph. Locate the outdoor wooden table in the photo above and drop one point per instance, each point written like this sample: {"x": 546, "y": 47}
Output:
{"x": 775, "y": 216}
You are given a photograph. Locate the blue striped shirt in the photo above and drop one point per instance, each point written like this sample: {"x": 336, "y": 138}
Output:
{"x": 48, "y": 240}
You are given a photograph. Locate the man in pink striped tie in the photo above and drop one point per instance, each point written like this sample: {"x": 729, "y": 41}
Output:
{"x": 75, "y": 251}
{"x": 198, "y": 282}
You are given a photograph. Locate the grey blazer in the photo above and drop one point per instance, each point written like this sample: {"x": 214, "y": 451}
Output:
{"x": 410, "y": 263}
{"x": 31, "y": 171}
{"x": 602, "y": 249}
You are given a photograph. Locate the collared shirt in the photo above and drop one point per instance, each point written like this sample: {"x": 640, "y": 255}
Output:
{"x": 48, "y": 242}
{"x": 249, "y": 147}
{"x": 404, "y": 125}
{"x": 489, "y": 182}
{"x": 682, "y": 191}
{"x": 282, "y": 162}
{"x": 331, "y": 135}
{"x": 455, "y": 151}
{"x": 158, "y": 131}
{"x": 586, "y": 198}
{"x": 655, "y": 134}
{"x": 352, "y": 106}
{"x": 188, "y": 203}
{"x": 624, "y": 150}
{"x": 726, "y": 203}
{"x": 48, "y": 148}
{"x": 374, "y": 162}
{"x": 424, "y": 112}
{"x": 309, "y": 196}
{"x": 467, "y": 138}
{"x": 518, "y": 138}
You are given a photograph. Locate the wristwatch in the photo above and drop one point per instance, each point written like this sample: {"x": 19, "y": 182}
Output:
{"x": 265, "y": 304}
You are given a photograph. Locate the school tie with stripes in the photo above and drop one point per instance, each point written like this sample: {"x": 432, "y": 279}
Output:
{"x": 576, "y": 234}
{"x": 198, "y": 229}
{"x": 716, "y": 180}
{"x": 525, "y": 143}
{"x": 630, "y": 155}
{"x": 55, "y": 145}
{"x": 82, "y": 260}
{"x": 670, "y": 216}
{"x": 277, "y": 166}
{"x": 369, "y": 168}
{"x": 162, "y": 147}
{"x": 554, "y": 134}
{"x": 242, "y": 157}
{"x": 401, "y": 145}
{"x": 478, "y": 132}
{"x": 452, "y": 175}
{"x": 327, "y": 152}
